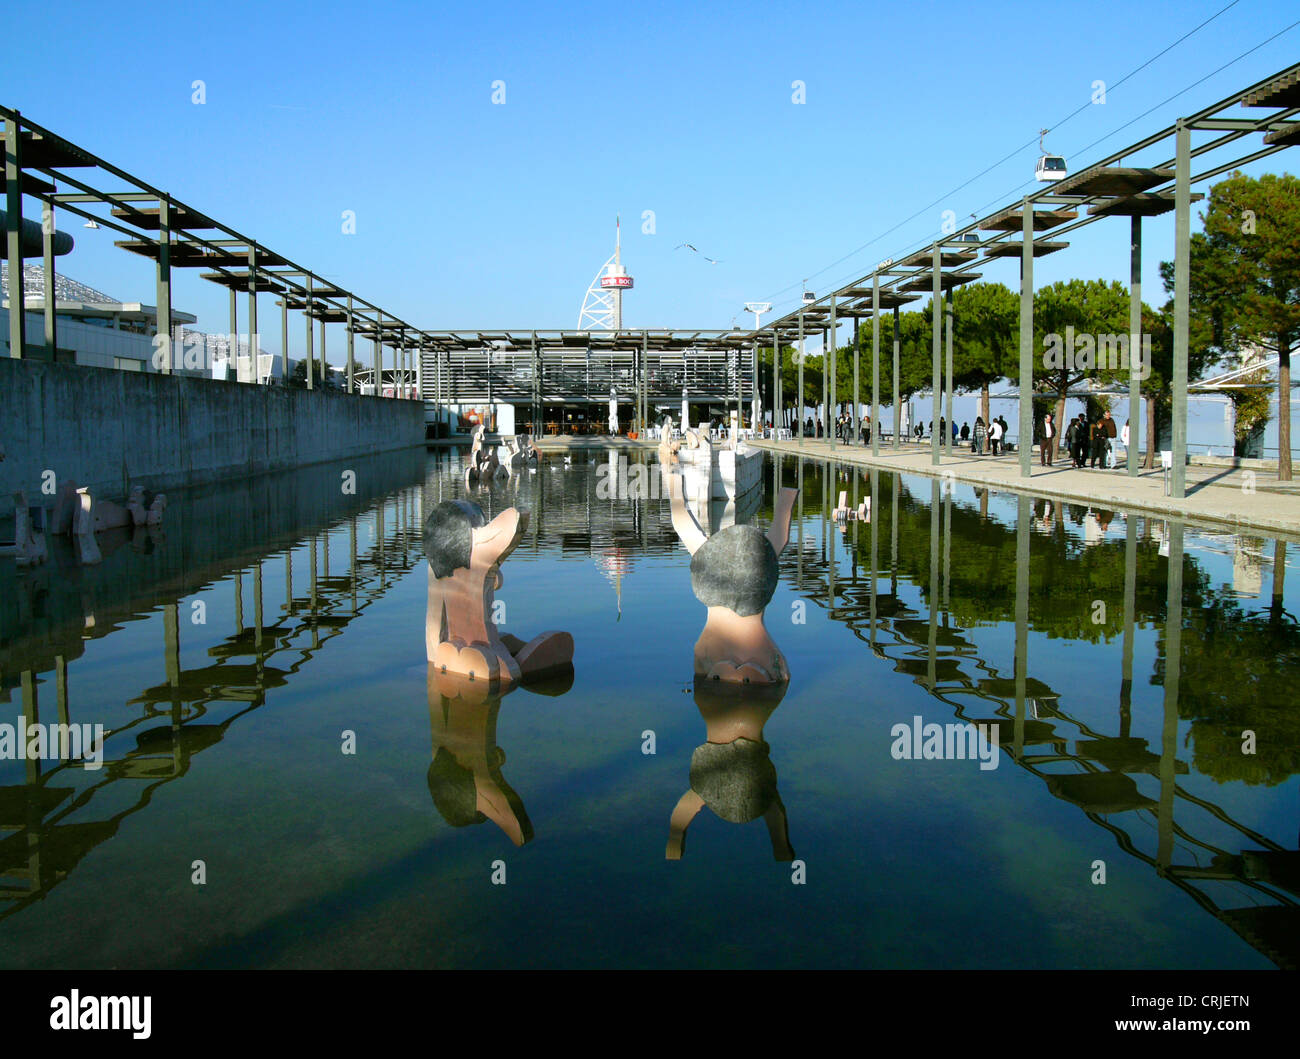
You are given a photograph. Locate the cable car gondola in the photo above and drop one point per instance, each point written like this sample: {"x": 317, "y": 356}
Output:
{"x": 1049, "y": 166}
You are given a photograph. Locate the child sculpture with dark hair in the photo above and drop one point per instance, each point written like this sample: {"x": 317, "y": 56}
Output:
{"x": 734, "y": 574}
{"x": 465, "y": 553}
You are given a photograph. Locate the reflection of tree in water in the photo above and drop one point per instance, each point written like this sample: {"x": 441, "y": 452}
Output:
{"x": 1239, "y": 672}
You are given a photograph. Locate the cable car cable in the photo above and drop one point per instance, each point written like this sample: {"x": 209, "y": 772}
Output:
{"x": 1022, "y": 147}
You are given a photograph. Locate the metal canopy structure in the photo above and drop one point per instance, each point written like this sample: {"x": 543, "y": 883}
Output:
{"x": 158, "y": 226}
{"x": 1034, "y": 226}
{"x": 547, "y": 368}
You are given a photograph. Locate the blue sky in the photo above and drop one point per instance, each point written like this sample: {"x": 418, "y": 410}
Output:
{"x": 474, "y": 214}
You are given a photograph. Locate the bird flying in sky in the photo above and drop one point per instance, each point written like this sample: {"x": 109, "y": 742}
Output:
{"x": 694, "y": 249}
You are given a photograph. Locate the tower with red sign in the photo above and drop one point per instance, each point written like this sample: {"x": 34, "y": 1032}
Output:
{"x": 602, "y": 308}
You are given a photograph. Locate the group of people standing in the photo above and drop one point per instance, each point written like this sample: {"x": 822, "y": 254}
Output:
{"x": 1091, "y": 440}
{"x": 1087, "y": 441}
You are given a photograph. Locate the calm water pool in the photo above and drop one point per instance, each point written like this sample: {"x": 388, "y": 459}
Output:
{"x": 229, "y": 657}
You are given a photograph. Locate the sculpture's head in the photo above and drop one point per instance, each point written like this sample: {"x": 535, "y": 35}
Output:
{"x": 449, "y": 535}
{"x": 736, "y": 568}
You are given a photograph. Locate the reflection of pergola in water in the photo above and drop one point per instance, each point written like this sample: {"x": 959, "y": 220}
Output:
{"x": 46, "y": 830}
{"x": 935, "y": 654}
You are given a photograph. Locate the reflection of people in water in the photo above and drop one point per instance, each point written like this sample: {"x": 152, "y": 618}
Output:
{"x": 465, "y": 778}
{"x": 732, "y": 773}
{"x": 734, "y": 574}
{"x": 465, "y": 553}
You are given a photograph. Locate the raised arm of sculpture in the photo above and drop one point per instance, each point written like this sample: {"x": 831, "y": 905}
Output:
{"x": 684, "y": 521}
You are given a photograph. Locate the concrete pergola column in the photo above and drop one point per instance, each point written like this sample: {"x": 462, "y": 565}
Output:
{"x": 799, "y": 400}
{"x": 829, "y": 374}
{"x": 947, "y": 434}
{"x": 898, "y": 397}
{"x": 379, "y": 353}
{"x": 351, "y": 344}
{"x": 857, "y": 388}
{"x": 47, "y": 259}
{"x": 776, "y": 383}
{"x": 164, "y": 282}
{"x": 233, "y": 346}
{"x": 14, "y": 235}
{"x": 284, "y": 334}
{"x": 1024, "y": 442}
{"x": 1182, "y": 297}
{"x": 875, "y": 386}
{"x": 936, "y": 380}
{"x": 825, "y": 408}
{"x": 311, "y": 352}
{"x": 1135, "y": 343}
{"x": 252, "y": 315}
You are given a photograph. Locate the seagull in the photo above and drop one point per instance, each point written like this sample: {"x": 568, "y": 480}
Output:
{"x": 706, "y": 257}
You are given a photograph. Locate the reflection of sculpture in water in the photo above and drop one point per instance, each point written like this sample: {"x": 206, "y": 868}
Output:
{"x": 734, "y": 574}
{"x": 733, "y": 773}
{"x": 465, "y": 553}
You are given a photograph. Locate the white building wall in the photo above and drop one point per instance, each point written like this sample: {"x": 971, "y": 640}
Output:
{"x": 95, "y": 347}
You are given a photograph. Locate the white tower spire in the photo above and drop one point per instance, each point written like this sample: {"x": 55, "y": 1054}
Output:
{"x": 602, "y": 308}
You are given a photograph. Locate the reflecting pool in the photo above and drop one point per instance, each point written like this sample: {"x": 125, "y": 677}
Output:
{"x": 287, "y": 782}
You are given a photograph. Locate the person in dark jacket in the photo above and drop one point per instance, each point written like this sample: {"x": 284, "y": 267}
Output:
{"x": 1096, "y": 443}
{"x": 1046, "y": 440}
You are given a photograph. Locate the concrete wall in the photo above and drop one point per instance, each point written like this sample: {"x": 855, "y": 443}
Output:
{"x": 113, "y": 429}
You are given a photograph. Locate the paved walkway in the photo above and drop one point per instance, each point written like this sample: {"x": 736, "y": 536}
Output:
{"x": 1217, "y": 495}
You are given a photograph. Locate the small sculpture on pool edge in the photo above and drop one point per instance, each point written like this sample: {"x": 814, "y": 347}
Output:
{"x": 734, "y": 574}
{"x": 483, "y": 464}
{"x": 732, "y": 773}
{"x": 465, "y": 553}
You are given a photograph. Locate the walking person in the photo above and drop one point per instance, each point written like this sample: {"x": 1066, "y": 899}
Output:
{"x": 995, "y": 437}
{"x": 980, "y": 435}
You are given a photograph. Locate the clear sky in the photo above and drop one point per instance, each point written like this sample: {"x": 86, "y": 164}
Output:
{"x": 477, "y": 214}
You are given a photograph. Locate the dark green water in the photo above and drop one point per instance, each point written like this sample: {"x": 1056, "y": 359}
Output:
{"x": 1120, "y": 741}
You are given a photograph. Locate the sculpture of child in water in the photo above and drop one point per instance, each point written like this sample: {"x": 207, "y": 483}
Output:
{"x": 734, "y": 574}
{"x": 465, "y": 553}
